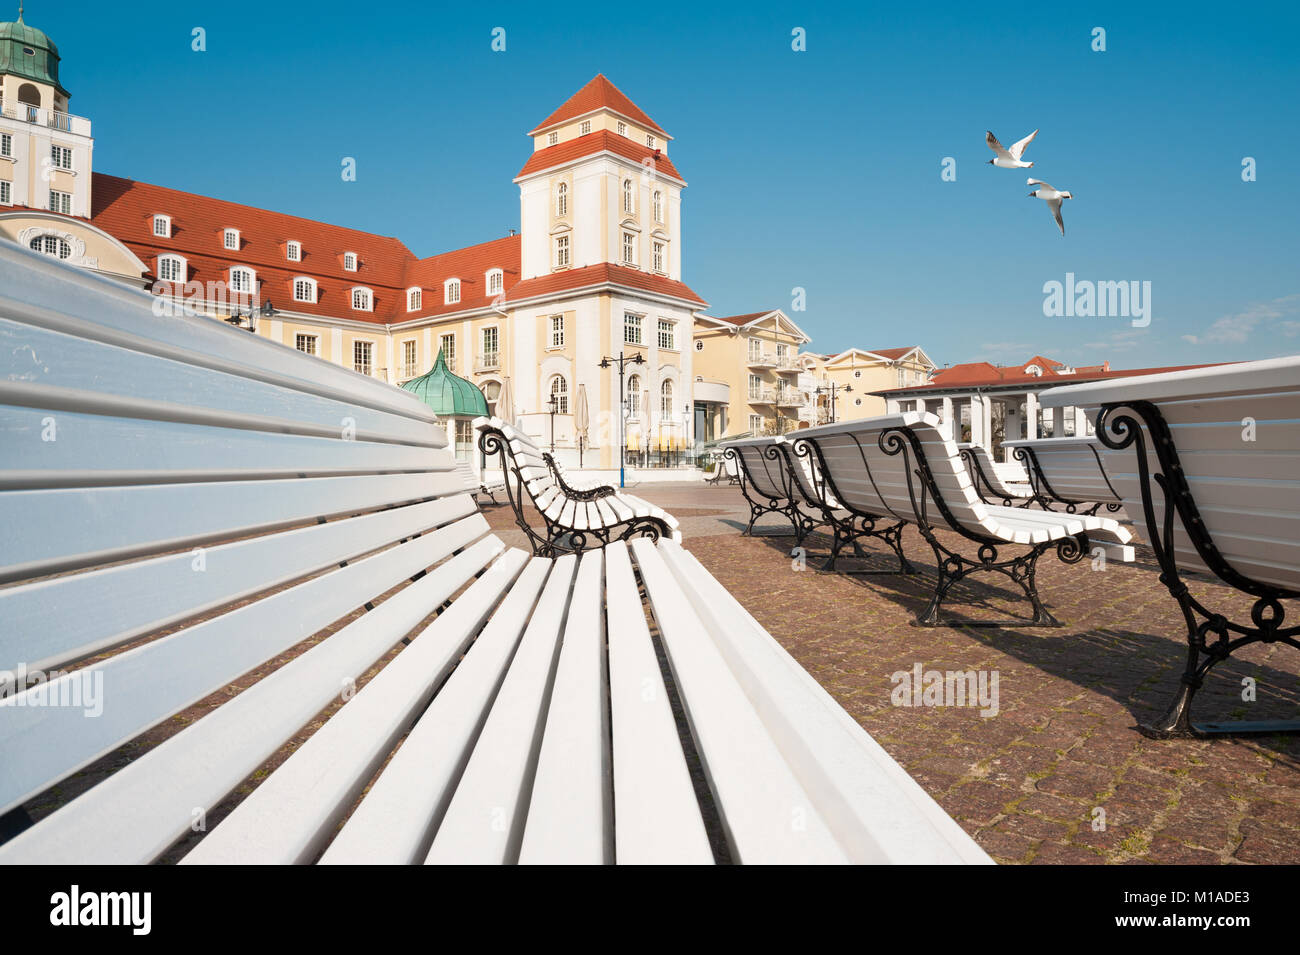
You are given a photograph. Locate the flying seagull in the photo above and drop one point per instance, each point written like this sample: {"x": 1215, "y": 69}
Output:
{"x": 1009, "y": 158}
{"x": 1052, "y": 196}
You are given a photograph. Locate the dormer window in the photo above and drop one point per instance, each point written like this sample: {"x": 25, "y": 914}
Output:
{"x": 584, "y": 128}
{"x": 649, "y": 140}
{"x": 162, "y": 227}
{"x": 552, "y": 138}
{"x": 171, "y": 268}
{"x": 230, "y": 239}
{"x": 622, "y": 129}
{"x": 414, "y": 296}
{"x": 363, "y": 300}
{"x": 451, "y": 291}
{"x": 304, "y": 289}
{"x": 495, "y": 281}
{"x": 293, "y": 251}
{"x": 349, "y": 261}
{"x": 241, "y": 280}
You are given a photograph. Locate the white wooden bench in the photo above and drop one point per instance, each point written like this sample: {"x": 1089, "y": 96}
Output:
{"x": 185, "y": 505}
{"x": 573, "y": 518}
{"x": 1007, "y": 483}
{"x": 1067, "y": 472}
{"x": 487, "y": 485}
{"x": 1207, "y": 463}
{"x": 765, "y": 483}
{"x": 904, "y": 466}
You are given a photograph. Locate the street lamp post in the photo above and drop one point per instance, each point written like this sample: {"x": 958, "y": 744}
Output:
{"x": 236, "y": 319}
{"x": 830, "y": 388}
{"x": 622, "y": 362}
{"x": 553, "y": 403}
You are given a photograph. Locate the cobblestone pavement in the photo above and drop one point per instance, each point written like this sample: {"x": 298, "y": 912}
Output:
{"x": 1028, "y": 782}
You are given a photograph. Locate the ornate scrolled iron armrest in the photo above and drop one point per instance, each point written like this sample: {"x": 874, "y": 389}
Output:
{"x": 588, "y": 494}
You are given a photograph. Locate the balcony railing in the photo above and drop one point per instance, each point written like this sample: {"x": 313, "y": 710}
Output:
{"x": 789, "y": 398}
{"x": 488, "y": 361}
{"x": 761, "y": 396}
{"x": 787, "y": 365}
{"x": 45, "y": 117}
{"x": 761, "y": 360}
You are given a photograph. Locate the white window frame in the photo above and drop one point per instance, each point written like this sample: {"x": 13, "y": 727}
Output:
{"x": 628, "y": 251}
{"x": 495, "y": 281}
{"x": 634, "y": 324}
{"x": 634, "y": 396}
{"x": 555, "y": 336}
{"x": 311, "y": 289}
{"x": 657, "y": 205}
{"x": 666, "y": 331}
{"x": 484, "y": 351}
{"x": 369, "y": 363}
{"x": 61, "y": 156}
{"x": 368, "y": 299}
{"x": 622, "y": 129}
{"x": 410, "y": 357}
{"x": 7, "y": 145}
{"x": 242, "y": 270}
{"x": 562, "y": 404}
{"x": 229, "y": 236}
{"x": 657, "y": 255}
{"x": 182, "y": 267}
{"x": 562, "y": 257}
{"x": 293, "y": 251}
{"x": 306, "y": 338}
{"x": 552, "y": 137}
{"x": 561, "y": 199}
{"x": 650, "y": 140}
{"x": 667, "y": 393}
{"x": 414, "y": 298}
{"x": 755, "y": 423}
{"x": 629, "y": 197}
{"x": 6, "y": 193}
{"x": 755, "y": 386}
{"x": 451, "y": 292}
{"x": 448, "y": 354}
{"x": 166, "y": 223}
{"x": 63, "y": 202}
{"x": 350, "y": 261}
{"x": 584, "y": 128}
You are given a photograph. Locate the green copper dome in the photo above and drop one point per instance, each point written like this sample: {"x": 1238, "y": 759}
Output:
{"x": 29, "y": 53}
{"x": 447, "y": 394}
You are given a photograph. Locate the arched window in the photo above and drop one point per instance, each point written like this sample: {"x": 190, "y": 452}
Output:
{"x": 658, "y": 206}
{"x": 634, "y": 396}
{"x": 562, "y": 199}
{"x": 627, "y": 196}
{"x": 666, "y": 400}
{"x": 162, "y": 227}
{"x": 414, "y": 296}
{"x": 171, "y": 268}
{"x": 51, "y": 245}
{"x": 495, "y": 281}
{"x": 304, "y": 289}
{"x": 560, "y": 392}
{"x": 451, "y": 292}
{"x": 362, "y": 300}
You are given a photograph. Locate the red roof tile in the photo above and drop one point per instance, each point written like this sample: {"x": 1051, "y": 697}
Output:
{"x": 741, "y": 319}
{"x": 125, "y": 209}
{"x": 893, "y": 354}
{"x": 600, "y": 93}
{"x": 602, "y": 274}
{"x": 602, "y": 140}
{"x": 984, "y": 375}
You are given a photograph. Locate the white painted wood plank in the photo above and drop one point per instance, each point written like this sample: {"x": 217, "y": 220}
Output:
{"x": 291, "y": 815}
{"x": 768, "y": 816}
{"x": 484, "y": 822}
{"x": 134, "y": 815}
{"x": 876, "y": 811}
{"x": 40, "y": 745}
{"x": 656, "y": 813}
{"x": 58, "y": 621}
{"x": 570, "y": 812}
{"x": 395, "y": 822}
{"x": 61, "y": 529}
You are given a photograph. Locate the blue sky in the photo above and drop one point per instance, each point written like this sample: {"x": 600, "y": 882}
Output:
{"x": 816, "y": 169}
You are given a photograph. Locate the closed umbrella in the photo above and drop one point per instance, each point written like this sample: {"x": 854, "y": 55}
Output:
{"x": 506, "y": 403}
{"x": 582, "y": 420}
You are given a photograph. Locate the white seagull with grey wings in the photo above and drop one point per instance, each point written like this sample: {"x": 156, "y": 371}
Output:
{"x": 1009, "y": 158}
{"x": 1052, "y": 196}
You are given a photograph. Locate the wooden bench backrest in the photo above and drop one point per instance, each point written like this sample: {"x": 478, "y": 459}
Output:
{"x": 159, "y": 466}
{"x": 1237, "y": 433}
{"x": 1072, "y": 466}
{"x": 525, "y": 455}
{"x": 868, "y": 479}
{"x": 766, "y": 474}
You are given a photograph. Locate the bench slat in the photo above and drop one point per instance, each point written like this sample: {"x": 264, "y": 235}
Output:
{"x": 484, "y": 822}
{"x": 768, "y": 816}
{"x": 395, "y": 823}
{"x": 145, "y": 685}
{"x": 657, "y": 813}
{"x": 139, "y": 811}
{"x": 290, "y": 816}
{"x": 570, "y": 813}
{"x": 58, "y": 621}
